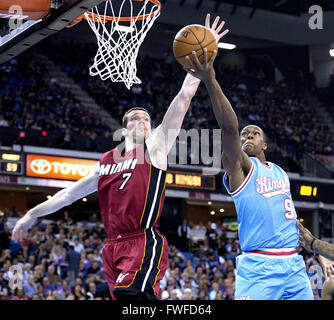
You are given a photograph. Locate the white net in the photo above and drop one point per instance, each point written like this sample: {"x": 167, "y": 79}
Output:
{"x": 118, "y": 40}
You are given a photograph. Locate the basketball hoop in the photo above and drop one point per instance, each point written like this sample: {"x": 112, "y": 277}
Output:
{"x": 118, "y": 44}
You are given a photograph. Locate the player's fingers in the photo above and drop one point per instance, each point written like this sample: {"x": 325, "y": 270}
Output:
{"x": 207, "y": 20}
{"x": 205, "y": 62}
{"x": 214, "y": 25}
{"x": 213, "y": 57}
{"x": 220, "y": 26}
{"x": 189, "y": 63}
{"x": 195, "y": 60}
{"x": 225, "y": 32}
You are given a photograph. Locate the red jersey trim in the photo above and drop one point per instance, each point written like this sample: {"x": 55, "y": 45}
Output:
{"x": 281, "y": 253}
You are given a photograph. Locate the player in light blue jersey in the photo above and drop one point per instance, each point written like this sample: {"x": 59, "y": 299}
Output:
{"x": 270, "y": 267}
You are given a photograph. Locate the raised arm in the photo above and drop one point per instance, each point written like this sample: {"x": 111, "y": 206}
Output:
{"x": 235, "y": 160}
{"x": 166, "y": 133}
{"x": 63, "y": 198}
{"x": 168, "y": 130}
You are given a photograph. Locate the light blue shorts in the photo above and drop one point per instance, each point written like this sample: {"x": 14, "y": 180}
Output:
{"x": 265, "y": 277}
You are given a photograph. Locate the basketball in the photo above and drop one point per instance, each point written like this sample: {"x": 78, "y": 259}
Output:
{"x": 194, "y": 37}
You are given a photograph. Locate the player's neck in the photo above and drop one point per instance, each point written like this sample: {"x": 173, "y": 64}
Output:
{"x": 261, "y": 158}
{"x": 131, "y": 144}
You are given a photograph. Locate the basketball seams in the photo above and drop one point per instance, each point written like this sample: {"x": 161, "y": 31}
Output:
{"x": 190, "y": 44}
{"x": 199, "y": 42}
{"x": 195, "y": 50}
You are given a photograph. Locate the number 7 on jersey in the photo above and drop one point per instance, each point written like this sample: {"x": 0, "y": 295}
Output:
{"x": 126, "y": 176}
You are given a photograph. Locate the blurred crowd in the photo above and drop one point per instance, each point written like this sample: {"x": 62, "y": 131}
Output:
{"x": 30, "y": 98}
{"x": 281, "y": 109}
{"x": 61, "y": 260}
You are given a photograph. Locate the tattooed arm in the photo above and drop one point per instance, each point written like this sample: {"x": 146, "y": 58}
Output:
{"x": 324, "y": 248}
{"x": 311, "y": 243}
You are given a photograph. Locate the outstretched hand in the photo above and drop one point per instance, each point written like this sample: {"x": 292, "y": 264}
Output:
{"x": 327, "y": 266}
{"x": 305, "y": 236}
{"x": 205, "y": 71}
{"x": 215, "y": 30}
{"x": 21, "y": 228}
{"x": 201, "y": 71}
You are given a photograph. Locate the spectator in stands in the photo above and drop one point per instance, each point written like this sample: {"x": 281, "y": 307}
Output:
{"x": 212, "y": 263}
{"x": 54, "y": 278}
{"x": 183, "y": 232}
{"x": 73, "y": 261}
{"x": 211, "y": 236}
{"x": 187, "y": 295}
{"x": 63, "y": 290}
{"x": 3, "y": 286}
{"x": 19, "y": 295}
{"x": 30, "y": 287}
{"x": 185, "y": 279}
{"x": 78, "y": 246}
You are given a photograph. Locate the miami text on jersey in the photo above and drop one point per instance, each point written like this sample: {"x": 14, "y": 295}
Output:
{"x": 107, "y": 169}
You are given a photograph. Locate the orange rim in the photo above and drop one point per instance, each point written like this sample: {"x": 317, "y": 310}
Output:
{"x": 100, "y": 17}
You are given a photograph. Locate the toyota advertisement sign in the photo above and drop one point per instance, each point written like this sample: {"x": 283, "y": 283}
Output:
{"x": 42, "y": 166}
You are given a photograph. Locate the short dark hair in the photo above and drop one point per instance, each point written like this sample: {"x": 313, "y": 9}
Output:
{"x": 125, "y": 117}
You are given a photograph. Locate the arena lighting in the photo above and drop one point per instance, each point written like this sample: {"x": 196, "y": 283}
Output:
{"x": 225, "y": 45}
{"x": 22, "y": 134}
{"x": 124, "y": 29}
{"x": 209, "y": 203}
{"x": 212, "y": 213}
{"x": 84, "y": 199}
{"x": 331, "y": 52}
{"x": 27, "y": 188}
{"x": 44, "y": 133}
{"x": 49, "y": 196}
{"x": 221, "y": 210}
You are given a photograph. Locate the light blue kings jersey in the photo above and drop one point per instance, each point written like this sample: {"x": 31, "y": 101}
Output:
{"x": 266, "y": 214}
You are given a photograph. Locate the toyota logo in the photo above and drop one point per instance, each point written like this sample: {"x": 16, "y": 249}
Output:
{"x": 40, "y": 166}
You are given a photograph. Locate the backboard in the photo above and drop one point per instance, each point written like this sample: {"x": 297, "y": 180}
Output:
{"x": 23, "y": 23}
